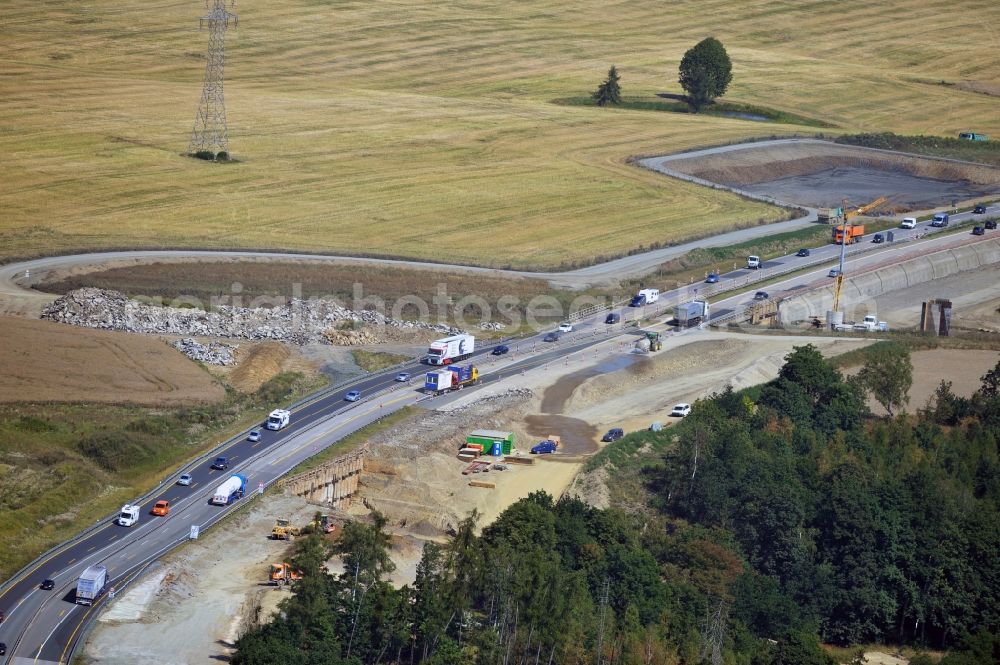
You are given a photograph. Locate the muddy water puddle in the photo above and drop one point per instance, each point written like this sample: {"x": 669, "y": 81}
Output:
{"x": 577, "y": 436}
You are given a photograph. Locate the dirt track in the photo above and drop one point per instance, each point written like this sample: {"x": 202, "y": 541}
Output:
{"x": 42, "y": 361}
{"x": 822, "y": 174}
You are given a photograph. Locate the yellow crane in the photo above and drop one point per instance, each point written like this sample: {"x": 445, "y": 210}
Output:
{"x": 865, "y": 208}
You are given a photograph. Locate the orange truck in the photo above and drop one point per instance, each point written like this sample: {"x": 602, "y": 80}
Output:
{"x": 854, "y": 234}
{"x": 283, "y": 573}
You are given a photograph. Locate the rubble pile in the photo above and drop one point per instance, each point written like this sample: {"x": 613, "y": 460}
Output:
{"x": 213, "y": 353}
{"x": 297, "y": 322}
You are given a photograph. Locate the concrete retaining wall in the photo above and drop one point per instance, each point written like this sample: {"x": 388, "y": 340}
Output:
{"x": 333, "y": 483}
{"x": 858, "y": 293}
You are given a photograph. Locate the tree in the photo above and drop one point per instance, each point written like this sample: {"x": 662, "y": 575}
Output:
{"x": 610, "y": 91}
{"x": 888, "y": 375}
{"x": 705, "y": 72}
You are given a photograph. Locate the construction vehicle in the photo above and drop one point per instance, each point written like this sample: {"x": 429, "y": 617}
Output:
{"x": 651, "y": 342}
{"x": 877, "y": 203}
{"x": 853, "y": 233}
{"x": 283, "y": 530}
{"x": 324, "y": 525}
{"x": 283, "y": 573}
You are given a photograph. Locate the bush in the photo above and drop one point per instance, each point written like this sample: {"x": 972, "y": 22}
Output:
{"x": 156, "y": 425}
{"x": 34, "y": 424}
{"x": 222, "y": 156}
{"x": 205, "y": 154}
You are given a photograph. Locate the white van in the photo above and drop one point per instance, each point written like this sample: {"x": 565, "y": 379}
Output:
{"x": 753, "y": 262}
{"x": 908, "y": 223}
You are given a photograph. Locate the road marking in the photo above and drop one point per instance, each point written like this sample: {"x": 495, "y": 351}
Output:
{"x": 71, "y": 560}
{"x": 92, "y": 548}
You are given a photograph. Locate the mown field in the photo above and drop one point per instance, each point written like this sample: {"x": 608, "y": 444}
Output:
{"x": 428, "y": 130}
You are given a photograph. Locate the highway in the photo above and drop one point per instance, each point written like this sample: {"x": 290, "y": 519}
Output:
{"x": 45, "y": 627}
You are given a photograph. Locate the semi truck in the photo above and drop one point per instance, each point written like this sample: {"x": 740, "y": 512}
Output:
{"x": 129, "y": 515}
{"x": 644, "y": 297}
{"x": 692, "y": 313}
{"x": 455, "y": 377}
{"x": 854, "y": 233}
{"x": 229, "y": 491}
{"x": 92, "y": 584}
{"x": 278, "y": 419}
{"x": 451, "y": 349}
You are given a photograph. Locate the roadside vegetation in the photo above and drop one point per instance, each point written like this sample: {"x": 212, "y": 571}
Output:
{"x": 770, "y": 521}
{"x": 982, "y": 152}
{"x": 373, "y": 361}
{"x": 63, "y": 466}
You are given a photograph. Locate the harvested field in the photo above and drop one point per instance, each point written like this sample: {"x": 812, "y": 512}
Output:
{"x": 49, "y": 362}
{"x": 822, "y": 174}
{"x": 376, "y": 128}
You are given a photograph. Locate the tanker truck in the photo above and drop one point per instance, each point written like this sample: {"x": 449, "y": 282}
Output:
{"x": 230, "y": 491}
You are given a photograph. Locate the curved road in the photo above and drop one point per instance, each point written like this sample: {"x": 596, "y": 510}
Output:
{"x": 45, "y": 626}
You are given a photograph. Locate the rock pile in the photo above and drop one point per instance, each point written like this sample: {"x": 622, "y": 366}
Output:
{"x": 298, "y": 322}
{"x": 214, "y": 353}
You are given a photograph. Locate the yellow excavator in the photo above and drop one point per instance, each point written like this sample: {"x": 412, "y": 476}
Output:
{"x": 848, "y": 214}
{"x": 283, "y": 530}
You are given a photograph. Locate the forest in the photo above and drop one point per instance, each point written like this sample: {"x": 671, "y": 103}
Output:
{"x": 782, "y": 518}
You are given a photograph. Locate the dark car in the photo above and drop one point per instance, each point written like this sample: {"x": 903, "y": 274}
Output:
{"x": 551, "y": 337}
{"x": 48, "y": 585}
{"x": 545, "y": 447}
{"x": 712, "y": 278}
{"x": 877, "y": 238}
{"x": 979, "y": 210}
{"x": 978, "y": 231}
{"x": 990, "y": 223}
{"x": 500, "y": 349}
{"x": 3, "y": 649}
{"x": 613, "y": 317}
{"x": 221, "y": 463}
{"x": 802, "y": 252}
{"x": 613, "y": 434}
{"x": 761, "y": 295}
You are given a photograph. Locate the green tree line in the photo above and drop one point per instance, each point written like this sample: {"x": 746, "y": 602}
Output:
{"x": 780, "y": 517}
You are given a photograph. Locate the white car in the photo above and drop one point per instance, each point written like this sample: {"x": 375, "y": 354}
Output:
{"x": 566, "y": 327}
{"x": 185, "y": 479}
{"x": 680, "y": 410}
{"x": 254, "y": 435}
{"x": 908, "y": 223}
{"x": 403, "y": 377}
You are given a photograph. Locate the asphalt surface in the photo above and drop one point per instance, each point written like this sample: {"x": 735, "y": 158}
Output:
{"x": 45, "y": 626}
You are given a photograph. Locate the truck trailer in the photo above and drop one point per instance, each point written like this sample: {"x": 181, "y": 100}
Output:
{"x": 692, "y": 313}
{"x": 230, "y": 491}
{"x": 92, "y": 584}
{"x": 455, "y": 377}
{"x": 451, "y": 349}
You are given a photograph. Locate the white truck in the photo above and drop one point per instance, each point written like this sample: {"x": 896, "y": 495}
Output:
{"x": 753, "y": 262}
{"x": 868, "y": 324}
{"x": 129, "y": 515}
{"x": 91, "y": 585}
{"x": 278, "y": 419}
{"x": 229, "y": 491}
{"x": 644, "y": 297}
{"x": 451, "y": 349}
{"x": 690, "y": 314}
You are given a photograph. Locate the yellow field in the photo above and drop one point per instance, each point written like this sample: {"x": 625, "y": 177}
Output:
{"x": 426, "y": 130}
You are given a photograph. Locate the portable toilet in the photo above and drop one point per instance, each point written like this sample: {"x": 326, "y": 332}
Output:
{"x": 487, "y": 438}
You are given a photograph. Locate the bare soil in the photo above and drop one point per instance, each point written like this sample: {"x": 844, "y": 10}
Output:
{"x": 823, "y": 174}
{"x": 42, "y": 361}
{"x": 258, "y": 364}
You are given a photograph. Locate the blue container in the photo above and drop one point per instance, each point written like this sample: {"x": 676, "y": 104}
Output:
{"x": 497, "y": 449}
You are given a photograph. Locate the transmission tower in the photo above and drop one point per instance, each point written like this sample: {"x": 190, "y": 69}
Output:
{"x": 210, "y": 132}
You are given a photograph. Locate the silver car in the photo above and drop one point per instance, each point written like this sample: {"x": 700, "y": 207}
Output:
{"x": 185, "y": 479}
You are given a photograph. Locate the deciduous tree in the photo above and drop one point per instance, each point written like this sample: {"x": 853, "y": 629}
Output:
{"x": 705, "y": 72}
